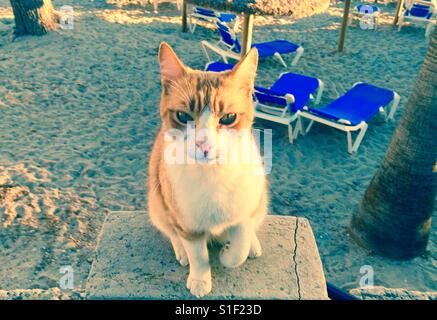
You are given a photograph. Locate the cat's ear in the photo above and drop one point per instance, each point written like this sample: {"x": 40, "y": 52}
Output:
{"x": 245, "y": 70}
{"x": 172, "y": 67}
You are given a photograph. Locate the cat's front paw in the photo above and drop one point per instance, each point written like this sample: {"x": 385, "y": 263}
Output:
{"x": 181, "y": 256}
{"x": 255, "y": 248}
{"x": 230, "y": 257}
{"x": 180, "y": 253}
{"x": 200, "y": 286}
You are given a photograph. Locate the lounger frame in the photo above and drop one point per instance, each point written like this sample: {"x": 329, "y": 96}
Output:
{"x": 221, "y": 48}
{"x": 430, "y": 22}
{"x": 345, "y": 125}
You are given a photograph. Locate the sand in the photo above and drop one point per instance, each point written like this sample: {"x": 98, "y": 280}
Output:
{"x": 382, "y": 293}
{"x": 78, "y": 115}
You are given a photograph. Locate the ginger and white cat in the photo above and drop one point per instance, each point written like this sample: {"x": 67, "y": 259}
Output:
{"x": 207, "y": 195}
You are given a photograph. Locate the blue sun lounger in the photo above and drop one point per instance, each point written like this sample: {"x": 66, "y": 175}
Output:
{"x": 283, "y": 101}
{"x": 229, "y": 47}
{"x": 351, "y": 111}
{"x": 286, "y": 98}
{"x": 211, "y": 16}
{"x": 419, "y": 11}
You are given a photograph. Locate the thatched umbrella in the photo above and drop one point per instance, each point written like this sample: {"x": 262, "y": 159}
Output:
{"x": 294, "y": 8}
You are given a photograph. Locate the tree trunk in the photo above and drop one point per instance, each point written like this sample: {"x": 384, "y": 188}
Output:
{"x": 394, "y": 216}
{"x": 33, "y": 17}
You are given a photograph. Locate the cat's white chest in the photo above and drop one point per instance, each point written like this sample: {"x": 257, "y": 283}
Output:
{"x": 213, "y": 199}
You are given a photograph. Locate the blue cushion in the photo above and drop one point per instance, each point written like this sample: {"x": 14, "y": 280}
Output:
{"x": 265, "y": 49}
{"x": 267, "y": 96}
{"x": 300, "y": 86}
{"x": 227, "y": 17}
{"x": 420, "y": 11}
{"x": 205, "y": 12}
{"x": 360, "y": 103}
{"x": 268, "y": 49}
{"x": 227, "y": 37}
{"x": 224, "y": 17}
{"x": 219, "y": 66}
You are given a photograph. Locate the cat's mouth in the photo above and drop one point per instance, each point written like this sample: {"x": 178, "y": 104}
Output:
{"x": 208, "y": 160}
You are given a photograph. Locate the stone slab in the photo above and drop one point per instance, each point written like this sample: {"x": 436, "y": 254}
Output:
{"x": 134, "y": 261}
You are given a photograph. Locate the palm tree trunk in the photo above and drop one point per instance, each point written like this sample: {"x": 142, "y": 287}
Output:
{"x": 394, "y": 216}
{"x": 33, "y": 17}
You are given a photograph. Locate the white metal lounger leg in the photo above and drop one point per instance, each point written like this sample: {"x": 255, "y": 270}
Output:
{"x": 299, "y": 53}
{"x": 310, "y": 125}
{"x": 206, "y": 52}
{"x": 299, "y": 125}
{"x": 297, "y": 129}
{"x": 400, "y": 21}
{"x": 279, "y": 57}
{"x": 290, "y": 133}
{"x": 393, "y": 106}
{"x": 293, "y": 133}
{"x": 429, "y": 26}
{"x": 355, "y": 146}
{"x": 349, "y": 141}
{"x": 192, "y": 25}
{"x": 319, "y": 91}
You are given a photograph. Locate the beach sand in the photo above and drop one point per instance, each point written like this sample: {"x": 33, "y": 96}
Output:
{"x": 78, "y": 115}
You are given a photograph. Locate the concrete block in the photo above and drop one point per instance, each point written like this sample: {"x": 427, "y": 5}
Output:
{"x": 134, "y": 261}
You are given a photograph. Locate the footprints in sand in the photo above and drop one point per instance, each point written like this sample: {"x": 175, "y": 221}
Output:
{"x": 28, "y": 198}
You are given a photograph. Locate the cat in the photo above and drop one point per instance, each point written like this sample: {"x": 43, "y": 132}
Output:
{"x": 204, "y": 196}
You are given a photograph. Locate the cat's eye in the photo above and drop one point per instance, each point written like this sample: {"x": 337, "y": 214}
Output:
{"x": 228, "y": 119}
{"x": 183, "y": 117}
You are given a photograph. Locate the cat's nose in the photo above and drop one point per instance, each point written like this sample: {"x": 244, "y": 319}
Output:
{"x": 204, "y": 147}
